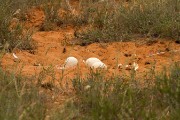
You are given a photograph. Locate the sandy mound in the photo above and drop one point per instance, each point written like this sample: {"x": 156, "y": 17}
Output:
{"x": 52, "y": 50}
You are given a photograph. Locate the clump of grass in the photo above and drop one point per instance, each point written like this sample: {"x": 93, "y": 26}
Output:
{"x": 44, "y": 74}
{"x": 19, "y": 98}
{"x": 108, "y": 21}
{"x": 121, "y": 21}
{"x": 118, "y": 98}
{"x": 12, "y": 33}
{"x": 59, "y": 14}
{"x": 52, "y": 18}
{"x": 168, "y": 90}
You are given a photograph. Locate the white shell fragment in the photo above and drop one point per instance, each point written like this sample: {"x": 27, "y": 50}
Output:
{"x": 128, "y": 67}
{"x": 87, "y": 87}
{"x": 135, "y": 66}
{"x": 159, "y": 53}
{"x": 120, "y": 66}
{"x": 95, "y": 63}
{"x": 99, "y": 65}
{"x": 15, "y": 56}
{"x": 69, "y": 62}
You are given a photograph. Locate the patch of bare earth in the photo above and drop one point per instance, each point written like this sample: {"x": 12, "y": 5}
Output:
{"x": 53, "y": 49}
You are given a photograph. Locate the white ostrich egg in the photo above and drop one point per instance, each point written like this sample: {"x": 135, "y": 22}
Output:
{"x": 70, "y": 62}
{"x": 90, "y": 61}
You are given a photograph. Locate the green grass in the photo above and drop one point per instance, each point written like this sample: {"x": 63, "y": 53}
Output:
{"x": 52, "y": 19}
{"x": 142, "y": 18}
{"x": 20, "y": 98}
{"x": 108, "y": 21}
{"x": 112, "y": 98}
{"x": 117, "y": 98}
{"x": 15, "y": 36}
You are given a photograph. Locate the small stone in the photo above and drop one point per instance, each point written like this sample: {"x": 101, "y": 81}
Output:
{"x": 138, "y": 59}
{"x": 147, "y": 63}
{"x": 127, "y": 55}
{"x": 37, "y": 64}
{"x": 177, "y": 41}
{"x": 47, "y": 86}
{"x": 64, "y": 50}
{"x": 167, "y": 49}
{"x": 16, "y": 60}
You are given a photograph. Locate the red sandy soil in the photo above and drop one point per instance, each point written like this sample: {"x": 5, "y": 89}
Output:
{"x": 50, "y": 47}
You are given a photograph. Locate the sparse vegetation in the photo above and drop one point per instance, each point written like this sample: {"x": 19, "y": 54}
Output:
{"x": 125, "y": 20}
{"x": 104, "y": 98}
{"x": 52, "y": 18}
{"x": 96, "y": 97}
{"x": 118, "y": 98}
{"x": 108, "y": 21}
{"x": 20, "y": 98}
{"x": 12, "y": 33}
